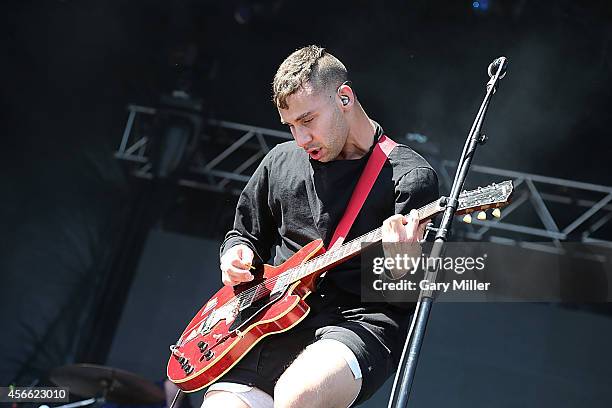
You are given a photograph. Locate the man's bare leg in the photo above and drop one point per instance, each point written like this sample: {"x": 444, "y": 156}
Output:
{"x": 319, "y": 377}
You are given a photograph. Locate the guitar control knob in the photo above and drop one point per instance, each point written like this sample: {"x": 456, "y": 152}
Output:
{"x": 202, "y": 346}
{"x": 208, "y": 355}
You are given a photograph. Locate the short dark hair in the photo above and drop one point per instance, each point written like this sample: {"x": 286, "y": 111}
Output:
{"x": 312, "y": 64}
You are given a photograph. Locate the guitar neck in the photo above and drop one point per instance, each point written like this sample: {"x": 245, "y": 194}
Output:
{"x": 349, "y": 249}
{"x": 482, "y": 198}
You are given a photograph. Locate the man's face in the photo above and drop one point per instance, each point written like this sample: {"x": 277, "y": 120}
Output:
{"x": 317, "y": 122}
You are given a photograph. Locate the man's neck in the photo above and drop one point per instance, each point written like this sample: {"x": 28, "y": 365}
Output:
{"x": 360, "y": 137}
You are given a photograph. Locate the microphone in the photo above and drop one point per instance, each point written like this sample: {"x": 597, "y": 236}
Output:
{"x": 494, "y": 66}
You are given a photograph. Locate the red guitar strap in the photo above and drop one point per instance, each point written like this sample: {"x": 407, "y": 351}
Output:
{"x": 364, "y": 185}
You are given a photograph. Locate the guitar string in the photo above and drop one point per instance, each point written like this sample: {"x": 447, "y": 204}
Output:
{"x": 242, "y": 295}
{"x": 274, "y": 279}
{"x": 421, "y": 215}
{"x": 286, "y": 273}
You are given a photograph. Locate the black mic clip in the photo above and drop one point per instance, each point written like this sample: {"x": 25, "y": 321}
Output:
{"x": 429, "y": 228}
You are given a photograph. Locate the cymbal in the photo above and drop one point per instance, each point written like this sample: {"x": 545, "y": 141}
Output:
{"x": 119, "y": 386}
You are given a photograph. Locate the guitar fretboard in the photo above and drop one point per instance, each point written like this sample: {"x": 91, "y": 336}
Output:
{"x": 324, "y": 261}
{"x": 494, "y": 195}
{"x": 349, "y": 249}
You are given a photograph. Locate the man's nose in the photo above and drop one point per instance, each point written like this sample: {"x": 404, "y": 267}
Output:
{"x": 302, "y": 138}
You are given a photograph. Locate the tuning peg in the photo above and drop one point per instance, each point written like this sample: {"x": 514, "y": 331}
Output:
{"x": 482, "y": 216}
{"x": 496, "y": 213}
{"x": 467, "y": 218}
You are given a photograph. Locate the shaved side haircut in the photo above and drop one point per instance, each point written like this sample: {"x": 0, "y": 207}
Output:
{"x": 312, "y": 65}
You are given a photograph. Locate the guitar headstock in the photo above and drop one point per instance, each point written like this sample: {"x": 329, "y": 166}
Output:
{"x": 495, "y": 195}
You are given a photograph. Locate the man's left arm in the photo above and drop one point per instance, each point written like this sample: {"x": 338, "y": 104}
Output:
{"x": 415, "y": 189}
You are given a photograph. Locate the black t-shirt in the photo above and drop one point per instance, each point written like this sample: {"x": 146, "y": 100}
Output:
{"x": 292, "y": 200}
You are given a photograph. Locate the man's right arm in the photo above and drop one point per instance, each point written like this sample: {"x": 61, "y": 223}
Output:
{"x": 251, "y": 238}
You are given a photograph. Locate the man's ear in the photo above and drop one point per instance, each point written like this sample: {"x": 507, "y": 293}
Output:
{"x": 346, "y": 94}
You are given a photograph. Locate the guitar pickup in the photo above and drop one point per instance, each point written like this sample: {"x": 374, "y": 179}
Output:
{"x": 280, "y": 286}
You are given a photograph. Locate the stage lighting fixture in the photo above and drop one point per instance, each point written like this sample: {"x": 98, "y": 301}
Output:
{"x": 176, "y": 137}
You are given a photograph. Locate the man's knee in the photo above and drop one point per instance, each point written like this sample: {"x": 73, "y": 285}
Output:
{"x": 225, "y": 399}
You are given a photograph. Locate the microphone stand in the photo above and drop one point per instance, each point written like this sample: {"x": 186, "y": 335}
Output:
{"x": 404, "y": 377}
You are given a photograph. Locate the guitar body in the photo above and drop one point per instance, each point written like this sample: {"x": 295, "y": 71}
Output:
{"x": 220, "y": 334}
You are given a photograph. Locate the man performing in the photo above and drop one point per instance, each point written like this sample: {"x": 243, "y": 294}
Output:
{"x": 344, "y": 350}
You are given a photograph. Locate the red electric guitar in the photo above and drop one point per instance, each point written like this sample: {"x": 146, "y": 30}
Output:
{"x": 236, "y": 318}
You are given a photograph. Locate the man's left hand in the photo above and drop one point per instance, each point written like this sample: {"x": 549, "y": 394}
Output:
{"x": 400, "y": 228}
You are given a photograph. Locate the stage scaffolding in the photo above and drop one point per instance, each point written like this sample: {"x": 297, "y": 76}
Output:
{"x": 544, "y": 212}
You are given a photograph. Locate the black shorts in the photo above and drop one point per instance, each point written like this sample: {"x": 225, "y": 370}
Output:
{"x": 375, "y": 333}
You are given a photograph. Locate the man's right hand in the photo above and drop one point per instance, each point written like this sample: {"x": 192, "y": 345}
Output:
{"x": 236, "y": 265}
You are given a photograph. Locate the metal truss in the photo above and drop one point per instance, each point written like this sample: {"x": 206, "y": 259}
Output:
{"x": 231, "y": 151}
{"x": 544, "y": 209}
